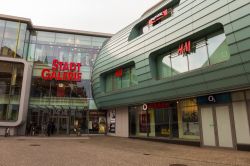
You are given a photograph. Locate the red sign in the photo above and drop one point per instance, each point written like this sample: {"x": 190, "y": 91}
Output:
{"x": 184, "y": 48}
{"x": 118, "y": 73}
{"x": 63, "y": 71}
{"x": 159, "y": 16}
{"x": 158, "y": 105}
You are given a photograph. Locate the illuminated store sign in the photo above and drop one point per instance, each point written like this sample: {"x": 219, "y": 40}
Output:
{"x": 214, "y": 99}
{"x": 159, "y": 16}
{"x": 158, "y": 105}
{"x": 63, "y": 71}
{"x": 184, "y": 48}
{"x": 118, "y": 73}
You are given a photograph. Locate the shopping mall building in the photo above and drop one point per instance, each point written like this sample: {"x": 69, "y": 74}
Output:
{"x": 45, "y": 77}
{"x": 180, "y": 73}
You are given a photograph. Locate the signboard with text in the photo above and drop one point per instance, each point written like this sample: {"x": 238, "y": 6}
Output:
{"x": 64, "y": 71}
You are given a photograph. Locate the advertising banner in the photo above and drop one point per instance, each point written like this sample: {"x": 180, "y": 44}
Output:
{"x": 112, "y": 117}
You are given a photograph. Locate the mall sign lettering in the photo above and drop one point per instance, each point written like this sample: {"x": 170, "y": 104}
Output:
{"x": 64, "y": 71}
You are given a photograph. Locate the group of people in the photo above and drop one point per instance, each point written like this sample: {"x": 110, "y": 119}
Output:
{"x": 46, "y": 129}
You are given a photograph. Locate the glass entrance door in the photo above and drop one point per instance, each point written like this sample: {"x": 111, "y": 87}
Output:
{"x": 63, "y": 125}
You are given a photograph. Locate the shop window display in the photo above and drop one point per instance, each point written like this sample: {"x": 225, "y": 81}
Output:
{"x": 155, "y": 121}
{"x": 188, "y": 119}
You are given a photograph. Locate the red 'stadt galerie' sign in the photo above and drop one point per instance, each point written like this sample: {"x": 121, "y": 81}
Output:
{"x": 64, "y": 71}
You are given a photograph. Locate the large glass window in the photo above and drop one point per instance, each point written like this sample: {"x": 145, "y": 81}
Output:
{"x": 10, "y": 39}
{"x": 165, "y": 70}
{"x": 126, "y": 78}
{"x": 217, "y": 48}
{"x": 82, "y": 40}
{"x": 45, "y": 37}
{"x": 109, "y": 80}
{"x": 22, "y": 35}
{"x": 65, "y": 39}
{"x": 179, "y": 64}
{"x": 11, "y": 76}
{"x": 159, "y": 120}
{"x": 198, "y": 58}
{"x": 188, "y": 116}
{"x": 2, "y": 27}
{"x": 204, "y": 52}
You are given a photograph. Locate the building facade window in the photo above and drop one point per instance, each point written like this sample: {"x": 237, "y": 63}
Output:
{"x": 127, "y": 78}
{"x": 155, "y": 20}
{"x": 11, "y": 77}
{"x": 172, "y": 120}
{"x": 12, "y": 39}
{"x": 207, "y": 51}
{"x": 188, "y": 119}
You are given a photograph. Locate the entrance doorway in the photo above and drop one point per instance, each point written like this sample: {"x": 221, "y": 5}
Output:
{"x": 216, "y": 124}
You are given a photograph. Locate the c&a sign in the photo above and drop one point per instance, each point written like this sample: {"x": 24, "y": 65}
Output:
{"x": 63, "y": 71}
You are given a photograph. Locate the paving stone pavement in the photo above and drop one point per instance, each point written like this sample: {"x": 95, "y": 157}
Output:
{"x": 110, "y": 151}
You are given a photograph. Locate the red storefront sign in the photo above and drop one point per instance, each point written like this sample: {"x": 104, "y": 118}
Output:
{"x": 184, "y": 48}
{"x": 63, "y": 71}
{"x": 158, "y": 105}
{"x": 118, "y": 73}
{"x": 159, "y": 16}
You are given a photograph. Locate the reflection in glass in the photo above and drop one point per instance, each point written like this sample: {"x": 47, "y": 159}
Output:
{"x": 10, "y": 39}
{"x": 108, "y": 83}
{"x": 82, "y": 40}
{"x": 179, "y": 64}
{"x": 188, "y": 113}
{"x": 199, "y": 57}
{"x": 65, "y": 39}
{"x": 2, "y": 26}
{"x": 11, "y": 76}
{"x": 44, "y": 53}
{"x": 204, "y": 53}
{"x": 164, "y": 66}
{"x": 45, "y": 37}
{"x": 218, "y": 49}
{"x": 126, "y": 78}
{"x": 22, "y": 33}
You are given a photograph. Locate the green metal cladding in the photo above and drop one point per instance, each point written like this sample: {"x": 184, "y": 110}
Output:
{"x": 190, "y": 18}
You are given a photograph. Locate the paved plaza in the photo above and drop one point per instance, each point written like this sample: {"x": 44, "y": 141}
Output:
{"x": 110, "y": 151}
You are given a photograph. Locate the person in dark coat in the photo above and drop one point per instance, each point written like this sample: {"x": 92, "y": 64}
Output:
{"x": 49, "y": 128}
{"x": 52, "y": 127}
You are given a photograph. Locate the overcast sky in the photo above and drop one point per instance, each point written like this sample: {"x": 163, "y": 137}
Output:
{"x": 108, "y": 16}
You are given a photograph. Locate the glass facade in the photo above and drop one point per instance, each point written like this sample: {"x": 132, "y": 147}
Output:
{"x": 11, "y": 77}
{"x": 13, "y": 39}
{"x": 122, "y": 78}
{"x": 207, "y": 51}
{"x": 65, "y": 103}
{"x": 172, "y": 120}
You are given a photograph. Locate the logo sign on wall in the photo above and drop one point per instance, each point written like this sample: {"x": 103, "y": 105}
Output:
{"x": 157, "y": 105}
{"x": 158, "y": 17}
{"x": 64, "y": 71}
{"x": 214, "y": 99}
{"x": 184, "y": 48}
